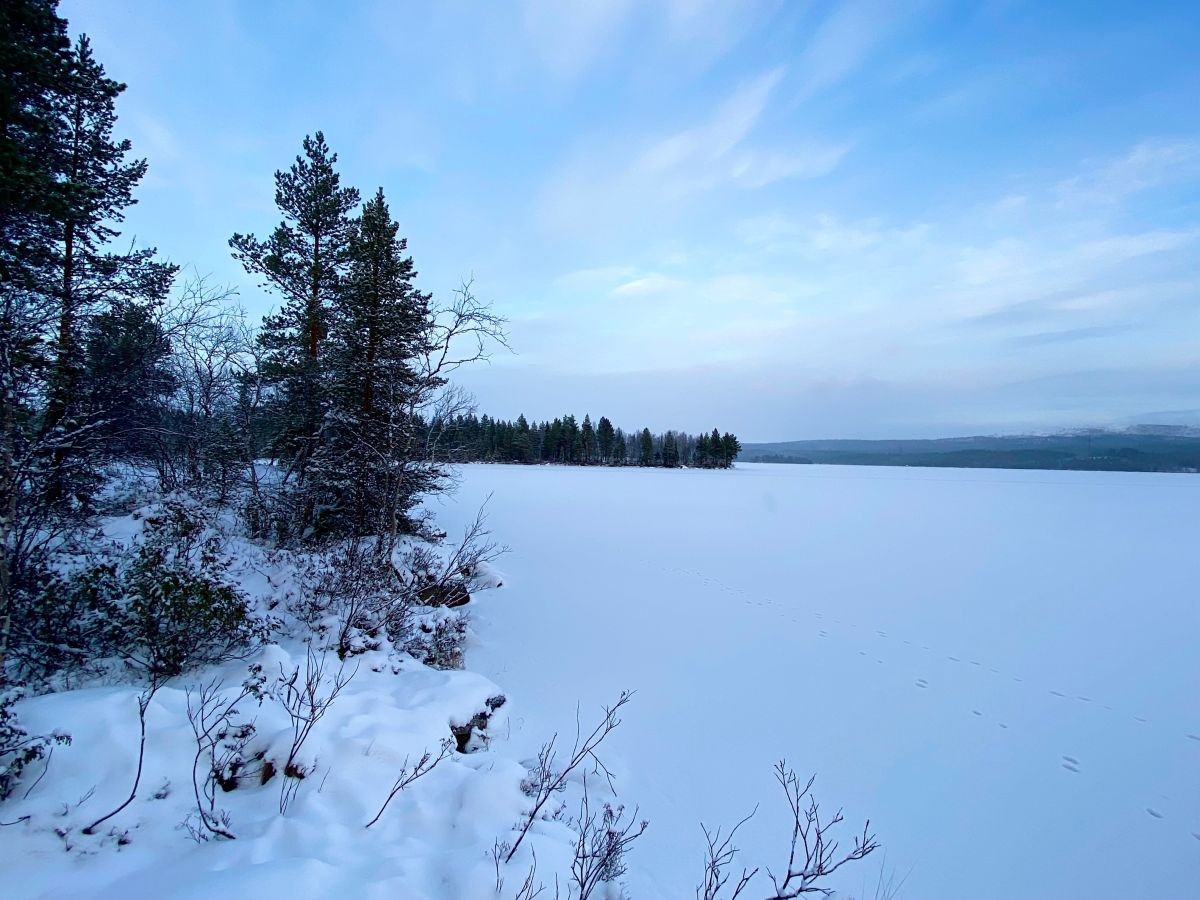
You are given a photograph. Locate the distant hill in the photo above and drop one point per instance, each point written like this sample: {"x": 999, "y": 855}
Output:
{"x": 1140, "y": 448}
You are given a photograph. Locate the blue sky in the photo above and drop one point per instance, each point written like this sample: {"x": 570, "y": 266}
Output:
{"x": 787, "y": 219}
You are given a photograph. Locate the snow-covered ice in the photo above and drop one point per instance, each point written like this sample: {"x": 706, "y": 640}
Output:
{"x": 999, "y": 668}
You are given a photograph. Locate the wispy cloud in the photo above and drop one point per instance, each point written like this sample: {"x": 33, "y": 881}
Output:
{"x": 1153, "y": 162}
{"x": 844, "y": 40}
{"x": 658, "y": 173}
{"x": 569, "y": 37}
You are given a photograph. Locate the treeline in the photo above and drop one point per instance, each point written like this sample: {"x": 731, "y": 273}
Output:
{"x": 568, "y": 441}
{"x": 1132, "y": 450}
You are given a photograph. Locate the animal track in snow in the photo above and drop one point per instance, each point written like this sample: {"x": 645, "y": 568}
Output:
{"x": 922, "y": 683}
{"x": 1154, "y": 812}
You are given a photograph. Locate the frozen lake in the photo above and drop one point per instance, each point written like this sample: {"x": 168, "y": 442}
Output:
{"x": 1000, "y": 668}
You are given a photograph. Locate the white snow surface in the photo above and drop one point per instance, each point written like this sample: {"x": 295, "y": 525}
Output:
{"x": 999, "y": 668}
{"x": 431, "y": 843}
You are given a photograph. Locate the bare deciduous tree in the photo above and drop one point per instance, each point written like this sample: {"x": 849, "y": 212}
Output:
{"x": 143, "y": 705}
{"x": 813, "y": 854}
{"x": 545, "y": 780}
{"x": 219, "y": 745}
{"x": 718, "y": 857}
{"x": 603, "y": 837}
{"x": 426, "y": 764}
{"x": 306, "y": 701}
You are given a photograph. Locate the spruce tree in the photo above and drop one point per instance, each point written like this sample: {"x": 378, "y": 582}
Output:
{"x": 125, "y": 374}
{"x": 523, "y": 441}
{"x": 730, "y": 448}
{"x": 377, "y": 326}
{"x": 646, "y": 447}
{"x": 604, "y": 439}
{"x": 570, "y": 439}
{"x": 670, "y": 451}
{"x": 587, "y": 440}
{"x": 304, "y": 261}
{"x": 618, "y": 448}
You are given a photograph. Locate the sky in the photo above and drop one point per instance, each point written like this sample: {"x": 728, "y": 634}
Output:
{"x": 785, "y": 219}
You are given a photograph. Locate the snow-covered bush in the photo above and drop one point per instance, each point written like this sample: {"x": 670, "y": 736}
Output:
{"x": 61, "y": 620}
{"x": 179, "y": 611}
{"x": 163, "y": 604}
{"x": 438, "y": 638}
{"x": 359, "y": 594}
{"x": 17, "y": 747}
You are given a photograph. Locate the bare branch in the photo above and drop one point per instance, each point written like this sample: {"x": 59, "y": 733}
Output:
{"x": 719, "y": 855}
{"x": 544, "y": 781}
{"x": 426, "y": 764}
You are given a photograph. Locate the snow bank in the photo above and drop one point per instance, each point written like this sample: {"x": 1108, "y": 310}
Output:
{"x": 433, "y": 840}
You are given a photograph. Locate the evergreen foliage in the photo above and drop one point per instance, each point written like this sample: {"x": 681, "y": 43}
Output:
{"x": 468, "y": 438}
{"x": 379, "y": 328}
{"x": 304, "y": 260}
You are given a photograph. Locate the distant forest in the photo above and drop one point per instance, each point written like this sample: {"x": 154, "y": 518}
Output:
{"x": 568, "y": 441}
{"x": 1143, "y": 449}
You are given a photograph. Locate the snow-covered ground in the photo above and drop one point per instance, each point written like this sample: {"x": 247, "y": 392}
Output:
{"x": 432, "y": 841}
{"x": 1000, "y": 668}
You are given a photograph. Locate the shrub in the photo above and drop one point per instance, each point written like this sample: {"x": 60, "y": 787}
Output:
{"x": 163, "y": 605}
{"x": 179, "y": 613}
{"x": 438, "y": 639}
{"x": 17, "y": 748}
{"x": 61, "y": 620}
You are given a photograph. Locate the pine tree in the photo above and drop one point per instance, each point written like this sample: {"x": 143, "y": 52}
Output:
{"x": 35, "y": 76}
{"x": 65, "y": 183}
{"x": 647, "y": 448}
{"x": 304, "y": 260}
{"x": 35, "y": 71}
{"x": 97, "y": 185}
